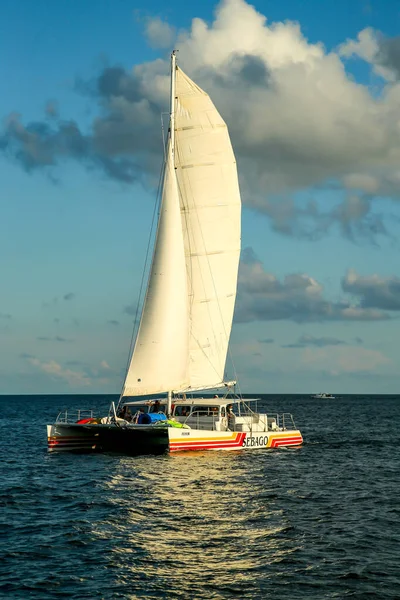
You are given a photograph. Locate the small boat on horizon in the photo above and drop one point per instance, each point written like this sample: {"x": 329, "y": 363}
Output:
{"x": 182, "y": 341}
{"x": 324, "y": 395}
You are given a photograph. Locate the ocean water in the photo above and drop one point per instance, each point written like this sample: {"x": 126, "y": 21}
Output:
{"x": 321, "y": 521}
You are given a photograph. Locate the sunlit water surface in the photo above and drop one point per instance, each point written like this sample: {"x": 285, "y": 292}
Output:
{"x": 321, "y": 521}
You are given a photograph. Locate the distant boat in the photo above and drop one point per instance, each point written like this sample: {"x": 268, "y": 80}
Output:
{"x": 183, "y": 337}
{"x": 323, "y": 395}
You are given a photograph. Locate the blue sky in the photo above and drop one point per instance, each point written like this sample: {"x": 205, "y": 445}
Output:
{"x": 311, "y": 98}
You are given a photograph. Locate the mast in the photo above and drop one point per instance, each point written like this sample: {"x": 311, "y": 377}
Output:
{"x": 169, "y": 404}
{"x": 172, "y": 105}
{"x": 172, "y": 143}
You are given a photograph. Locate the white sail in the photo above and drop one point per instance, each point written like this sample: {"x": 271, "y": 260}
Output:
{"x": 160, "y": 357}
{"x": 186, "y": 322}
{"x": 210, "y": 208}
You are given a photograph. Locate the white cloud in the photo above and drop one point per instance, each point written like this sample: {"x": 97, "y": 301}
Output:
{"x": 372, "y": 47}
{"x": 86, "y": 376}
{"x": 308, "y": 122}
{"x": 305, "y": 341}
{"x": 309, "y": 361}
{"x": 55, "y": 370}
{"x": 361, "y": 181}
{"x": 373, "y": 291}
{"x": 296, "y": 117}
{"x": 350, "y": 359}
{"x": 365, "y": 46}
{"x": 159, "y": 33}
{"x": 298, "y": 297}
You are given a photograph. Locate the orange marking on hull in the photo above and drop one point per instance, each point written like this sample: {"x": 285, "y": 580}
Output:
{"x": 289, "y": 441}
{"x": 208, "y": 443}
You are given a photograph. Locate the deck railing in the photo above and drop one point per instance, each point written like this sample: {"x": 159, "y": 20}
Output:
{"x": 285, "y": 421}
{"x": 72, "y": 416}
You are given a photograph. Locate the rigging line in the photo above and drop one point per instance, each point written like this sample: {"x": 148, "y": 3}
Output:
{"x": 135, "y": 322}
{"x": 235, "y": 377}
{"x": 163, "y": 135}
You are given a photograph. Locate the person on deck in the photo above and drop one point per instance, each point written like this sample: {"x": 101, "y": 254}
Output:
{"x": 125, "y": 413}
{"x": 231, "y": 417}
{"x": 156, "y": 407}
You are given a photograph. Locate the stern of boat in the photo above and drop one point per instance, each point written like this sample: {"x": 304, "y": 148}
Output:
{"x": 107, "y": 437}
{"x": 69, "y": 438}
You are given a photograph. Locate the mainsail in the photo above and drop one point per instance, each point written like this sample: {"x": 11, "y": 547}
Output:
{"x": 183, "y": 337}
{"x": 210, "y": 207}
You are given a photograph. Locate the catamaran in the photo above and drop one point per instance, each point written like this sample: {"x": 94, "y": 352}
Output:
{"x": 182, "y": 341}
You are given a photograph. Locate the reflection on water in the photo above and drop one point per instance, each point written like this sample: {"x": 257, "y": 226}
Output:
{"x": 313, "y": 523}
{"x": 198, "y": 518}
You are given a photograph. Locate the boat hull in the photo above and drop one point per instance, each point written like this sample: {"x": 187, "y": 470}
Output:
{"x": 139, "y": 439}
{"x": 142, "y": 439}
{"x": 192, "y": 439}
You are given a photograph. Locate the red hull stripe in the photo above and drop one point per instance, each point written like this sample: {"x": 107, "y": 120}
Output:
{"x": 286, "y": 441}
{"x": 238, "y": 438}
{"x": 207, "y": 444}
{"x": 219, "y": 447}
{"x": 72, "y": 443}
{"x": 57, "y": 446}
{"x": 202, "y": 446}
{"x": 73, "y": 446}
{"x": 76, "y": 441}
{"x": 290, "y": 439}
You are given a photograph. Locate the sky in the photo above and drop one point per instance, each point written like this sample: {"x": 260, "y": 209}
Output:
{"x": 310, "y": 92}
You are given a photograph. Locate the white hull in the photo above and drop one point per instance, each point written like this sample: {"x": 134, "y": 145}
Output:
{"x": 192, "y": 439}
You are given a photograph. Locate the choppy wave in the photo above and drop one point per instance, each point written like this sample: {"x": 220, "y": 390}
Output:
{"x": 316, "y": 522}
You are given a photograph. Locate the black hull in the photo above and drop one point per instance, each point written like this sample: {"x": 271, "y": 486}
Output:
{"x": 132, "y": 440}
